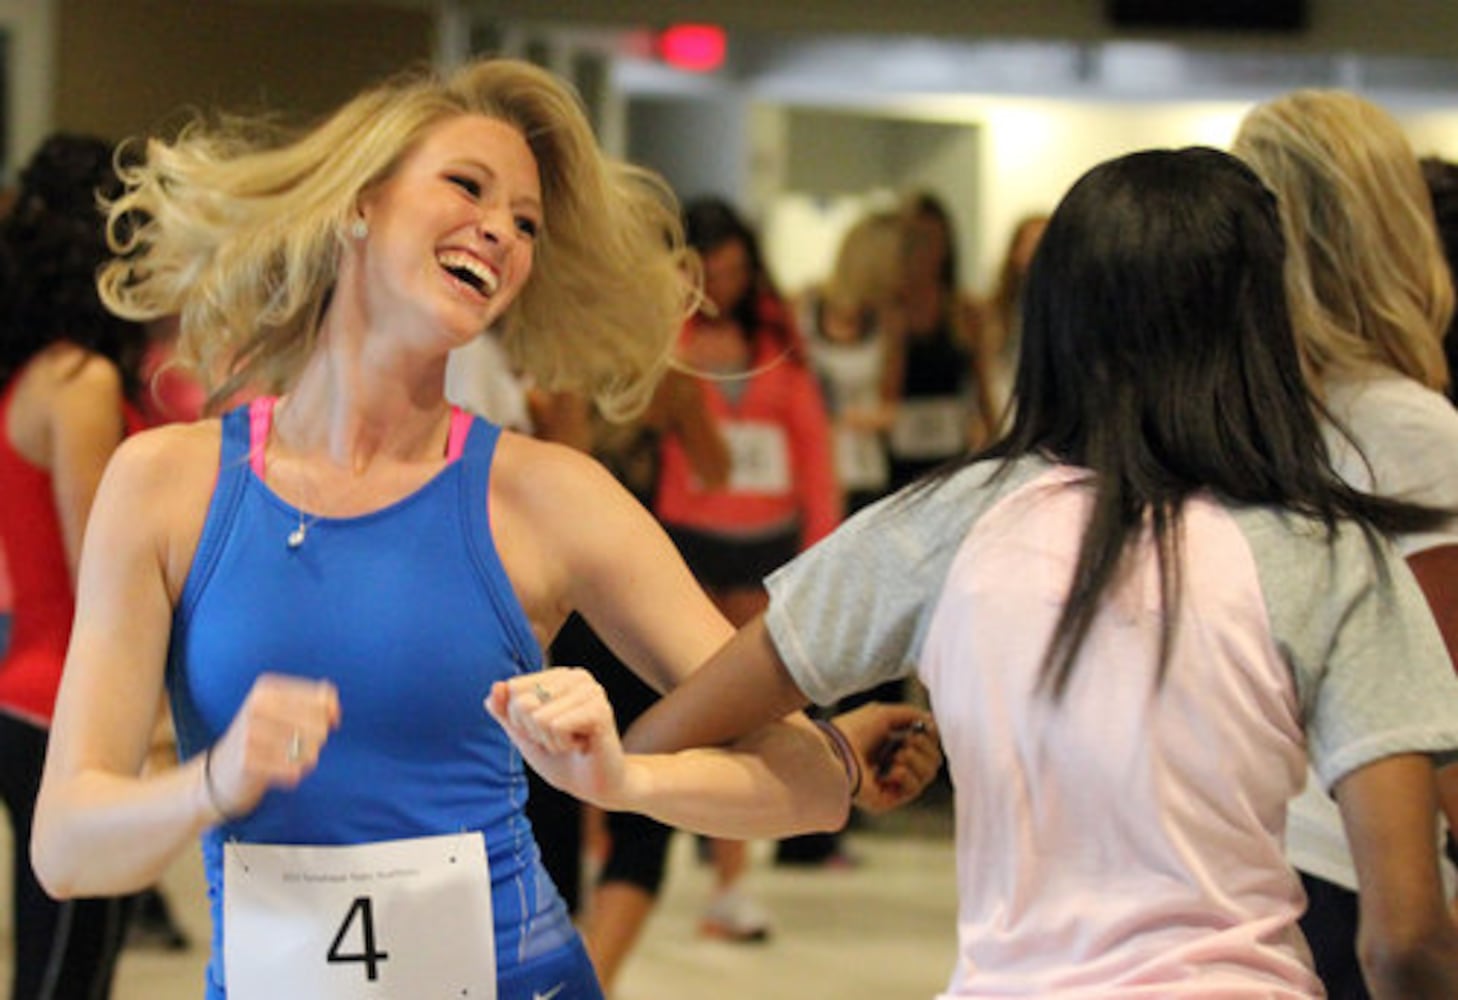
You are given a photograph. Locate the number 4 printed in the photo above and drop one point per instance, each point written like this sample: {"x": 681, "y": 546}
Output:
{"x": 369, "y": 955}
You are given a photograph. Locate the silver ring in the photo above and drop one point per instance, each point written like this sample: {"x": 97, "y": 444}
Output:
{"x": 296, "y": 747}
{"x": 540, "y": 690}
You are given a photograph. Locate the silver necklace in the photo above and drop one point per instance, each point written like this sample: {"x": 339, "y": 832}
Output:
{"x": 299, "y": 535}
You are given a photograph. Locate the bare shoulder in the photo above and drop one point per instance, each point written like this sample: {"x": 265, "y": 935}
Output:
{"x": 171, "y": 453}
{"x": 157, "y": 488}
{"x": 62, "y": 378}
{"x": 553, "y": 511}
{"x": 68, "y": 366}
{"x": 546, "y": 473}
{"x": 165, "y": 476}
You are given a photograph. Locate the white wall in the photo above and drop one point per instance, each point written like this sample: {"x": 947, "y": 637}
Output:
{"x": 1032, "y": 150}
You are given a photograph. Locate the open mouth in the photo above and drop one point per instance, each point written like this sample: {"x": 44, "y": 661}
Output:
{"x": 466, "y": 268}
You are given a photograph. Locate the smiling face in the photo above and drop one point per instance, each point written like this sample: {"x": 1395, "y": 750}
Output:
{"x": 452, "y": 230}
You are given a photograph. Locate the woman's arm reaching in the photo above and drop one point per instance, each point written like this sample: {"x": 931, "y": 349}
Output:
{"x": 783, "y": 779}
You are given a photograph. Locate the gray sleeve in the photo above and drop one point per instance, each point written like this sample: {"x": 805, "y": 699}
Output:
{"x": 1372, "y": 674}
{"x": 852, "y": 611}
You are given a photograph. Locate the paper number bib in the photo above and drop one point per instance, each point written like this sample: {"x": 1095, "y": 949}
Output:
{"x": 402, "y": 918}
{"x": 929, "y": 428}
{"x": 759, "y": 454}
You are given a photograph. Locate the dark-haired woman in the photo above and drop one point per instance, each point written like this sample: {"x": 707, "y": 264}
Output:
{"x": 937, "y": 378}
{"x": 781, "y": 495}
{"x": 67, "y": 398}
{"x": 1139, "y": 614}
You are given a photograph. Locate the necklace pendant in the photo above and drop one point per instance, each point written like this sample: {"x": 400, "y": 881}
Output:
{"x": 296, "y": 537}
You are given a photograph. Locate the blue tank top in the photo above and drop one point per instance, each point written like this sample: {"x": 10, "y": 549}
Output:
{"x": 409, "y": 612}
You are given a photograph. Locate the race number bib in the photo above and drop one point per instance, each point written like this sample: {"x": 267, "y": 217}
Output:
{"x": 759, "y": 454}
{"x": 860, "y": 459}
{"x": 929, "y": 428}
{"x": 401, "y": 918}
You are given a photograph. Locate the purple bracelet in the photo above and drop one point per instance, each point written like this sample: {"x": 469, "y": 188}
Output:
{"x": 842, "y": 748}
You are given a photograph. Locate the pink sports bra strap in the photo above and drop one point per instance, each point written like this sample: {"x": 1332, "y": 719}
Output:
{"x": 260, "y": 418}
{"x": 456, "y": 438}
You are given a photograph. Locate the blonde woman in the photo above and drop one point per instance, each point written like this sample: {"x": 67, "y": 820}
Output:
{"x": 846, "y": 322}
{"x": 1371, "y": 298}
{"x": 328, "y": 581}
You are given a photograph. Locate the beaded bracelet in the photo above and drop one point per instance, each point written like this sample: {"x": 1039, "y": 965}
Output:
{"x": 212, "y": 792}
{"x": 842, "y": 748}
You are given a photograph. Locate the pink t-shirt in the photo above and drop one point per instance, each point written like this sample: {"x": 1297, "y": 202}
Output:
{"x": 1124, "y": 841}
{"x": 1061, "y": 895}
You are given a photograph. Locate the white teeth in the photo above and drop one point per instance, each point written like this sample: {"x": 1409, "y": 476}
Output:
{"x": 470, "y": 269}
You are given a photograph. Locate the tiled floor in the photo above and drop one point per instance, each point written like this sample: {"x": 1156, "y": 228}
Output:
{"x": 883, "y": 930}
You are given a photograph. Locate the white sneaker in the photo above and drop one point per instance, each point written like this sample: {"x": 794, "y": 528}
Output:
{"x": 733, "y": 916}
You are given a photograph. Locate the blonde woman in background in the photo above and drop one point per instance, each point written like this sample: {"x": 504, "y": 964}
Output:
{"x": 845, "y": 322}
{"x": 1370, "y": 298}
{"x": 327, "y": 582}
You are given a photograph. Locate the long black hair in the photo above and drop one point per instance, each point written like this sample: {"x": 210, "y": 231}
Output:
{"x": 52, "y": 243}
{"x": 1158, "y": 354}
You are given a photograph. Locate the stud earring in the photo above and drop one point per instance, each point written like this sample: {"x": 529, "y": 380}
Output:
{"x": 359, "y": 228}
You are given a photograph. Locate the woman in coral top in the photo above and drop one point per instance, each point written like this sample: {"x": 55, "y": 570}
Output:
{"x": 782, "y": 495}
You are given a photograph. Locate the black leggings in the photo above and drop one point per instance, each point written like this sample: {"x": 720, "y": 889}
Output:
{"x": 639, "y": 846}
{"x": 63, "y": 950}
{"x": 1330, "y": 926}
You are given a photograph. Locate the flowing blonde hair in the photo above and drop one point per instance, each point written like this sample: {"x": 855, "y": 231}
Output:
{"x": 1365, "y": 274}
{"x": 236, "y": 227}
{"x": 867, "y": 274}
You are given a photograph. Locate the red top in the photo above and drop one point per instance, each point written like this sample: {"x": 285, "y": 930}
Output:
{"x": 5, "y": 598}
{"x": 779, "y": 440}
{"x": 43, "y": 601}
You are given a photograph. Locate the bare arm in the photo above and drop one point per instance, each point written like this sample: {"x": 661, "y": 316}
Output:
{"x": 1407, "y": 943}
{"x": 1436, "y": 570}
{"x": 92, "y": 805}
{"x": 679, "y": 408}
{"x": 746, "y": 684}
{"x": 780, "y": 780}
{"x": 742, "y": 687}
{"x": 573, "y": 539}
{"x": 101, "y": 827}
{"x": 82, "y": 420}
